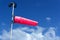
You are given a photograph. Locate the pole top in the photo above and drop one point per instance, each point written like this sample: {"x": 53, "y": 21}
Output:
{"x": 11, "y": 4}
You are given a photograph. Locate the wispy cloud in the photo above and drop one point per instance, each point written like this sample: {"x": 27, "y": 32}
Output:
{"x": 48, "y": 18}
{"x": 3, "y": 23}
{"x": 18, "y": 34}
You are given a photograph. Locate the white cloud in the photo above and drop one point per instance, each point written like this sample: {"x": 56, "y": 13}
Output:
{"x": 48, "y": 18}
{"x": 18, "y": 34}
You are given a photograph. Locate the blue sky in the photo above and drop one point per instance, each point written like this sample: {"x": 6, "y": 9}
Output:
{"x": 46, "y": 12}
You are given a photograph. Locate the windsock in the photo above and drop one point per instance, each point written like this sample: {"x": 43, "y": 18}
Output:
{"x": 22, "y": 20}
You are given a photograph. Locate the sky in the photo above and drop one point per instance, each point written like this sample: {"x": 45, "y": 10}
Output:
{"x": 46, "y": 12}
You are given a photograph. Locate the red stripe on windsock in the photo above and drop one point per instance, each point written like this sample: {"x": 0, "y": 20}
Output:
{"x": 21, "y": 20}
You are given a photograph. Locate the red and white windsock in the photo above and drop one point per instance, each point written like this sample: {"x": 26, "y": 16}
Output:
{"x": 22, "y": 20}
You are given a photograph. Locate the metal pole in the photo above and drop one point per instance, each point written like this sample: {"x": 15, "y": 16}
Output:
{"x": 13, "y": 4}
{"x": 12, "y": 21}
